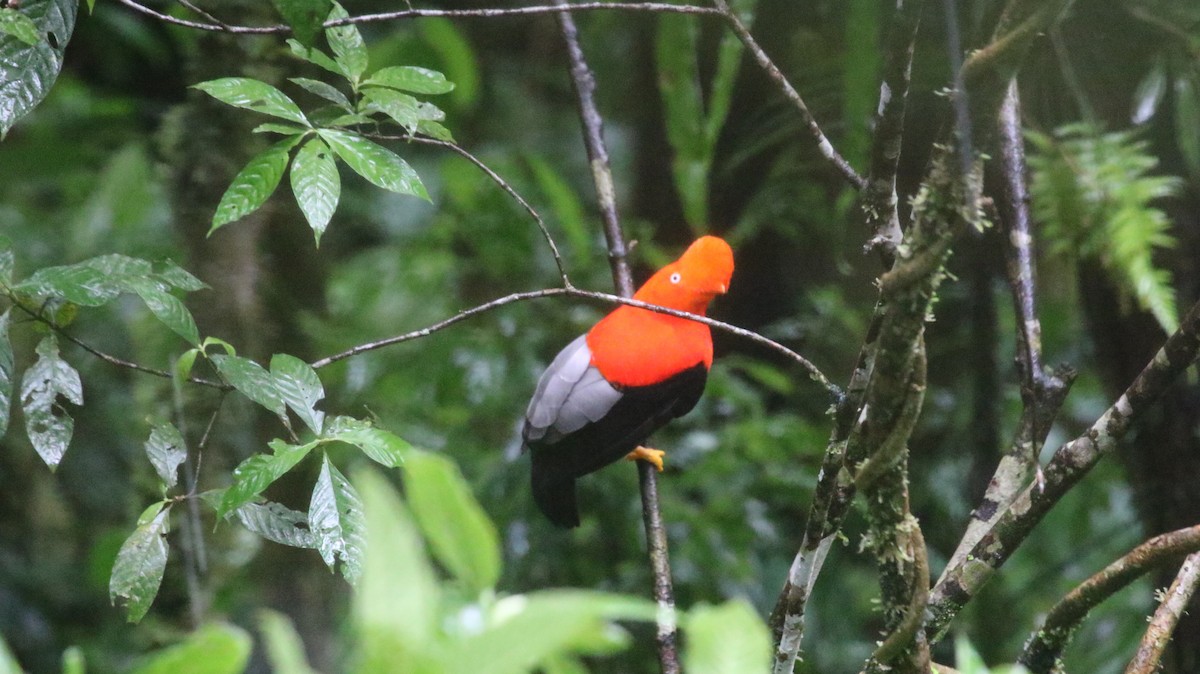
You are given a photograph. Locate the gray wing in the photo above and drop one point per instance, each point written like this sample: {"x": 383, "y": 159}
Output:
{"x": 570, "y": 394}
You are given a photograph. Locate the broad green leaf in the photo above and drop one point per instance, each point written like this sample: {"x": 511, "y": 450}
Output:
{"x": 434, "y": 130}
{"x": 7, "y": 261}
{"x": 304, "y": 16}
{"x": 349, "y": 50}
{"x": 285, "y": 650}
{"x": 316, "y": 184}
{"x": 376, "y": 163}
{"x": 410, "y": 78}
{"x": 16, "y": 24}
{"x": 151, "y": 512}
{"x": 251, "y": 380}
{"x": 966, "y": 658}
{"x": 315, "y": 56}
{"x": 277, "y": 523}
{"x": 212, "y": 649}
{"x": 72, "y": 661}
{"x": 138, "y": 571}
{"x": 335, "y": 515}
{"x": 166, "y": 450}
{"x": 27, "y": 72}
{"x": 402, "y": 108}
{"x": 324, "y": 90}
{"x": 383, "y": 447}
{"x": 528, "y": 629}
{"x": 8, "y": 661}
{"x": 77, "y": 283}
{"x": 397, "y": 605}
{"x": 257, "y": 473}
{"x": 168, "y": 309}
{"x": 217, "y": 341}
{"x": 285, "y": 129}
{"x": 6, "y": 372}
{"x": 726, "y": 639}
{"x": 300, "y": 388}
{"x": 459, "y": 532}
{"x": 250, "y": 94}
{"x": 254, "y": 184}
{"x": 47, "y": 423}
{"x": 178, "y": 277}
{"x": 184, "y": 364}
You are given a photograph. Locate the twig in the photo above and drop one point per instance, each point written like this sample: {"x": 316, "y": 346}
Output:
{"x": 880, "y": 200}
{"x": 194, "y": 557}
{"x": 593, "y": 135}
{"x": 1045, "y": 646}
{"x": 1162, "y": 625}
{"x": 482, "y": 13}
{"x": 203, "y": 14}
{"x": 501, "y": 182}
{"x": 827, "y": 150}
{"x": 1070, "y": 463}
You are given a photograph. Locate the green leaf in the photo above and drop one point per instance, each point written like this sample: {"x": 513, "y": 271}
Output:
{"x": 349, "y": 50}
{"x": 7, "y": 261}
{"x": 316, "y": 184}
{"x": 250, "y": 94}
{"x": 285, "y": 650}
{"x": 72, "y": 661}
{"x": 459, "y": 532}
{"x": 217, "y": 341}
{"x": 382, "y": 447}
{"x": 300, "y": 388}
{"x": 434, "y": 130}
{"x": 455, "y": 57}
{"x": 211, "y": 649}
{"x": 726, "y": 639}
{"x": 397, "y": 605}
{"x": 8, "y": 661}
{"x": 284, "y": 129}
{"x": 535, "y": 627}
{"x": 316, "y": 57}
{"x": 185, "y": 363}
{"x": 335, "y": 516}
{"x": 77, "y": 283}
{"x": 166, "y": 450}
{"x": 410, "y": 78}
{"x": 257, "y": 473}
{"x": 168, "y": 309}
{"x": 402, "y": 108}
{"x": 138, "y": 571}
{"x": 277, "y": 523}
{"x": 304, "y": 16}
{"x": 47, "y": 423}
{"x": 6, "y": 372}
{"x": 375, "y": 163}
{"x": 324, "y": 90}
{"x": 16, "y": 24}
{"x": 178, "y": 277}
{"x": 27, "y": 72}
{"x": 254, "y": 184}
{"x": 966, "y": 658}
{"x": 251, "y": 380}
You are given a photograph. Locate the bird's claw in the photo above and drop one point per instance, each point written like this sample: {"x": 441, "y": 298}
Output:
{"x": 654, "y": 456}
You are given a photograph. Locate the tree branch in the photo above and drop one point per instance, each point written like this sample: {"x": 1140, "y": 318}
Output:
{"x": 1162, "y": 625}
{"x": 1045, "y": 646}
{"x": 827, "y": 150}
{"x": 1070, "y": 463}
{"x": 593, "y": 136}
{"x": 481, "y": 13}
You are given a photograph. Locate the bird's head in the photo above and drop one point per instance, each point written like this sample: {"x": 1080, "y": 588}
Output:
{"x": 692, "y": 281}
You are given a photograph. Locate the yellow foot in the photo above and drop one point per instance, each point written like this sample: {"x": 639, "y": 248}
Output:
{"x": 654, "y": 456}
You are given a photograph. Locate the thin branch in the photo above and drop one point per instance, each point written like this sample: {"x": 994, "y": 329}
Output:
{"x": 502, "y": 183}
{"x": 826, "y": 148}
{"x": 1070, "y": 463}
{"x": 481, "y": 13}
{"x": 667, "y": 632}
{"x": 1045, "y": 646}
{"x": 880, "y": 200}
{"x": 1162, "y": 625}
{"x": 203, "y": 14}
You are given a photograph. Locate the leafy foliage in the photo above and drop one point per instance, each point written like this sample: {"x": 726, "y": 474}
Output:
{"x": 1094, "y": 191}
{"x": 32, "y": 43}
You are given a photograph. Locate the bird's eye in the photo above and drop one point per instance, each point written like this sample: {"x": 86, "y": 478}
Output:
{"x": 675, "y": 278}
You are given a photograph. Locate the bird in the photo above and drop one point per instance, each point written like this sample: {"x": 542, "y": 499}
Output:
{"x": 631, "y": 373}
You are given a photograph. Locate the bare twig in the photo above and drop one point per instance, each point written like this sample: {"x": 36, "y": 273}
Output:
{"x": 481, "y": 13}
{"x": 880, "y": 200}
{"x": 203, "y": 14}
{"x": 502, "y": 183}
{"x": 194, "y": 552}
{"x": 826, "y": 148}
{"x": 1045, "y": 646}
{"x": 667, "y": 631}
{"x": 1162, "y": 625}
{"x": 1070, "y": 463}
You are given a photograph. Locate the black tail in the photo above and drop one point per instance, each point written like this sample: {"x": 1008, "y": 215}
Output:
{"x": 554, "y": 494}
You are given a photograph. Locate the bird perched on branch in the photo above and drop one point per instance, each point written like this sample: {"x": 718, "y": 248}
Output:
{"x": 634, "y": 371}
